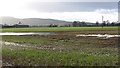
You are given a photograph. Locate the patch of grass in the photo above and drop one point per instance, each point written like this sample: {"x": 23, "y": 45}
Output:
{"x": 55, "y": 58}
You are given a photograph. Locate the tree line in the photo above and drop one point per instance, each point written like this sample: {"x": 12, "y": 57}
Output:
{"x": 104, "y": 23}
{"x": 73, "y": 24}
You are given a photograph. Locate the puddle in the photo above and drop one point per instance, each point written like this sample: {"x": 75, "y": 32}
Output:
{"x": 40, "y": 33}
{"x": 11, "y": 43}
{"x": 23, "y": 45}
{"x": 98, "y": 35}
{"x": 50, "y": 33}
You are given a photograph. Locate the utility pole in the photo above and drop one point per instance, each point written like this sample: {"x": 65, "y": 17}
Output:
{"x": 102, "y": 20}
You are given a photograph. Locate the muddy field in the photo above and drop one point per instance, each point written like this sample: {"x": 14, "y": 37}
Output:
{"x": 59, "y": 50}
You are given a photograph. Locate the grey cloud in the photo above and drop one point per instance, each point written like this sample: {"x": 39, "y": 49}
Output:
{"x": 71, "y": 6}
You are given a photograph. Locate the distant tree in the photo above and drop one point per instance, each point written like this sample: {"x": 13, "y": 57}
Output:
{"x": 19, "y": 22}
{"x": 118, "y": 23}
{"x": 113, "y": 24}
{"x": 50, "y": 25}
{"x": 53, "y": 25}
{"x": 75, "y": 24}
{"x": 97, "y": 23}
{"x": 82, "y": 23}
{"x": 107, "y": 23}
{"x": 104, "y": 23}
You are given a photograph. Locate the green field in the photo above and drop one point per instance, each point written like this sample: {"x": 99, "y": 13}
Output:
{"x": 112, "y": 30}
{"x": 61, "y": 50}
{"x": 59, "y": 29}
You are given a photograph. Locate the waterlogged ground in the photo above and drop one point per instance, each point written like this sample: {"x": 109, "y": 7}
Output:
{"x": 65, "y": 48}
{"x": 59, "y": 50}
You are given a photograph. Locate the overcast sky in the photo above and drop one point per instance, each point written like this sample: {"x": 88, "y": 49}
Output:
{"x": 90, "y": 11}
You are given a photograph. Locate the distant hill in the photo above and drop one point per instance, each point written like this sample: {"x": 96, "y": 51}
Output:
{"x": 32, "y": 21}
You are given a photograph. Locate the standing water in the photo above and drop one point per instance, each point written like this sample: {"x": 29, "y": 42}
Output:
{"x": 50, "y": 33}
{"x": 29, "y": 33}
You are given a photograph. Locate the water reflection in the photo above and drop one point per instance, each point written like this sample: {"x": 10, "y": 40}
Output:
{"x": 50, "y": 33}
{"x": 98, "y": 35}
{"x": 29, "y": 33}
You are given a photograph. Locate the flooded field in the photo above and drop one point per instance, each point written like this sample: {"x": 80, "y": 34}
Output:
{"x": 60, "y": 50}
{"x": 66, "y": 48}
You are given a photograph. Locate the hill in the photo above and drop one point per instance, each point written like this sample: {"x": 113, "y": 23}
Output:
{"x": 32, "y": 21}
